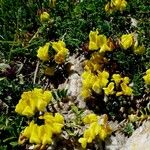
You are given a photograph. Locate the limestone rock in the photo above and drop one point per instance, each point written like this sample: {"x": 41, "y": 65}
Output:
{"x": 140, "y": 139}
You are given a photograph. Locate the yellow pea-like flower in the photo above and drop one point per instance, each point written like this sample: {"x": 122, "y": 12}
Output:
{"x": 56, "y": 128}
{"x": 119, "y": 4}
{"x": 97, "y": 86}
{"x": 41, "y": 105}
{"x": 27, "y": 131}
{"x": 126, "y": 89}
{"x": 42, "y": 52}
{"x": 44, "y": 17}
{"x": 116, "y": 78}
{"x": 126, "y": 41}
{"x": 90, "y": 118}
{"x": 27, "y": 111}
{"x": 95, "y": 127}
{"x": 45, "y": 134}
{"x": 115, "y": 5}
{"x": 32, "y": 101}
{"x": 139, "y": 50}
{"x": 34, "y": 135}
{"x": 108, "y": 8}
{"x": 89, "y": 135}
{"x": 148, "y": 71}
{"x": 62, "y": 51}
{"x": 147, "y": 79}
{"x": 85, "y": 93}
{"x": 58, "y": 46}
{"x": 94, "y": 40}
{"x": 104, "y": 131}
{"x": 109, "y": 90}
{"x": 59, "y": 118}
{"x": 119, "y": 93}
{"x": 83, "y": 142}
{"x": 126, "y": 80}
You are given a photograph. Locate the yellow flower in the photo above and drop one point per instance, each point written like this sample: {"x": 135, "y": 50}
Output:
{"x": 117, "y": 78}
{"x": 88, "y": 80}
{"x": 90, "y": 118}
{"x": 126, "y": 80}
{"x": 119, "y": 4}
{"x": 44, "y": 134}
{"x": 104, "y": 74}
{"x": 28, "y": 129}
{"x": 59, "y": 118}
{"x": 85, "y": 93}
{"x": 83, "y": 142}
{"x": 89, "y": 135}
{"x": 56, "y": 128}
{"x": 94, "y": 40}
{"x": 108, "y": 8}
{"x": 59, "y": 46}
{"x": 105, "y": 44}
{"x": 42, "y": 52}
{"x": 104, "y": 48}
{"x": 99, "y": 42}
{"x": 44, "y": 17}
{"x": 109, "y": 90}
{"x": 48, "y": 118}
{"x": 60, "y": 57}
{"x": 95, "y": 128}
{"x": 42, "y": 98}
{"x": 119, "y": 93}
{"x": 34, "y": 135}
{"x": 24, "y": 107}
{"x": 126, "y": 41}
{"x": 148, "y": 71}
{"x": 97, "y": 86}
{"x": 126, "y": 89}
{"x": 104, "y": 131}
{"x": 27, "y": 111}
{"x": 53, "y": 123}
{"x": 32, "y": 101}
{"x": 62, "y": 51}
{"x": 147, "y": 79}
{"x": 115, "y": 5}
{"x": 103, "y": 77}
{"x": 139, "y": 50}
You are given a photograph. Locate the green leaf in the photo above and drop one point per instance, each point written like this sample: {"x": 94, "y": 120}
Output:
{"x": 14, "y": 144}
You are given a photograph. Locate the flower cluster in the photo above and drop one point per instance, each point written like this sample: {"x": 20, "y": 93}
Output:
{"x": 121, "y": 83}
{"x": 99, "y": 42}
{"x": 115, "y": 5}
{"x": 33, "y": 101}
{"x": 99, "y": 82}
{"x": 95, "y": 63}
{"x": 147, "y": 77}
{"x": 127, "y": 41}
{"x": 41, "y": 135}
{"x": 97, "y": 126}
{"x": 93, "y": 82}
{"x": 60, "y": 49}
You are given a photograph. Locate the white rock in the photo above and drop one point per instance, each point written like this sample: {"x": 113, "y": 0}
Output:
{"x": 140, "y": 139}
